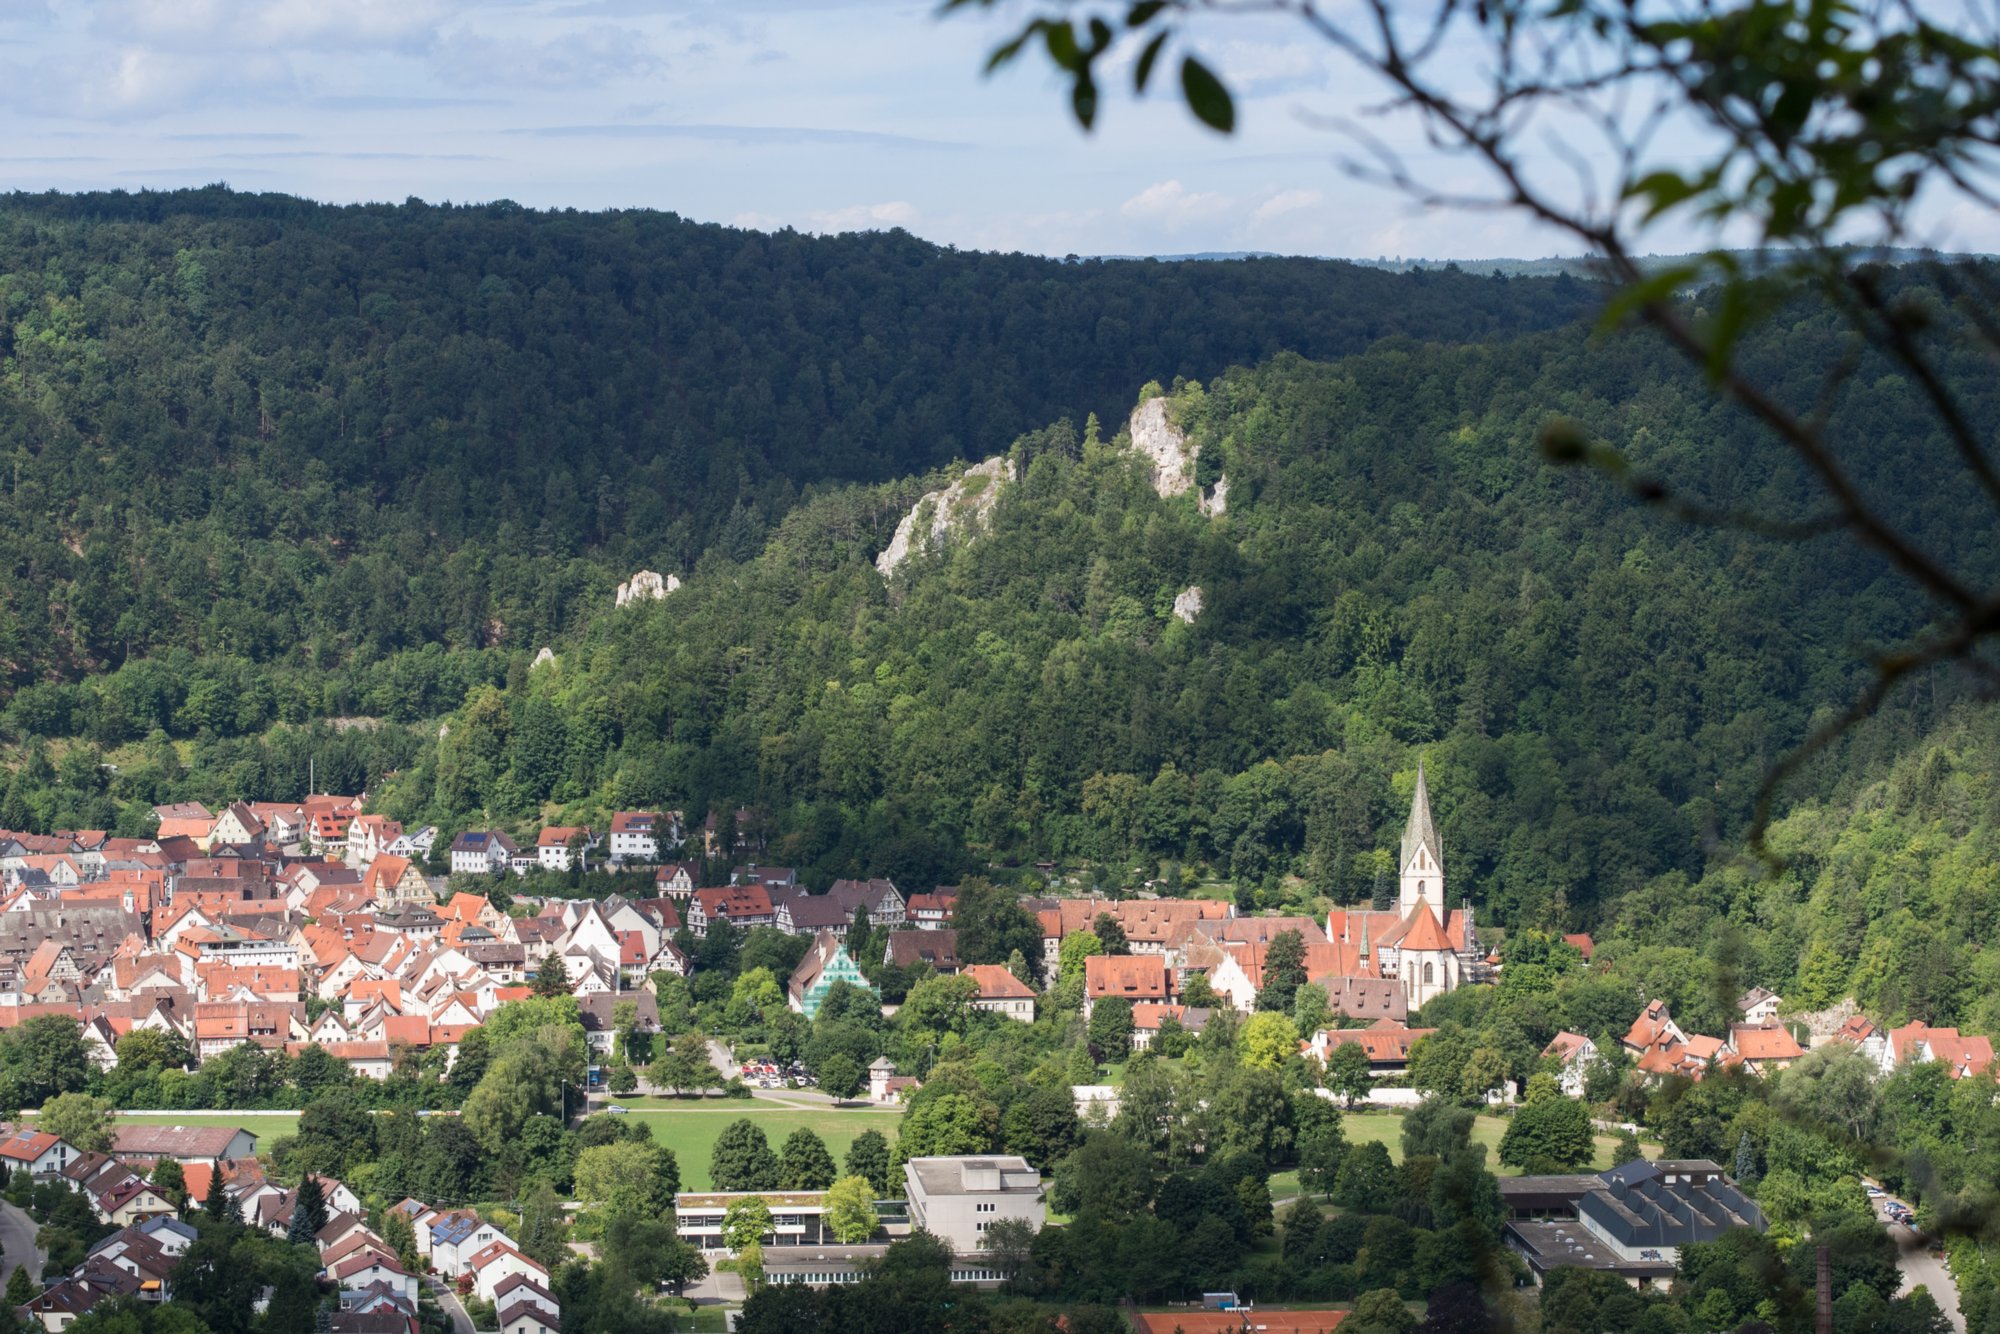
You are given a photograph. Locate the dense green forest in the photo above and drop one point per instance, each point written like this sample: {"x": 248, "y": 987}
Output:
{"x": 261, "y": 427}
{"x": 267, "y": 414}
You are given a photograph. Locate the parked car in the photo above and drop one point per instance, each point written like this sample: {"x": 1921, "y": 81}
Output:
{"x": 1876, "y": 1192}
{"x": 614, "y": 1109}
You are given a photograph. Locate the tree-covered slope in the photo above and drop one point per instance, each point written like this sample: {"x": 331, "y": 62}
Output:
{"x": 258, "y": 426}
{"x": 1601, "y": 688}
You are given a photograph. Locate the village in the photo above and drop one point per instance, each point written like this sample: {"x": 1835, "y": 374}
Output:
{"x": 315, "y": 927}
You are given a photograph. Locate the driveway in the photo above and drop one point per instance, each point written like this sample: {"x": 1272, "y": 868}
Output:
{"x": 461, "y": 1323}
{"x": 17, "y": 1244}
{"x": 1920, "y": 1269}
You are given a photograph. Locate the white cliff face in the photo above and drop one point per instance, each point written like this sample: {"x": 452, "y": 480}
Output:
{"x": 647, "y": 584}
{"x": 962, "y": 506}
{"x": 1173, "y": 458}
{"x": 546, "y": 655}
{"x": 1155, "y": 435}
{"x": 1189, "y": 604}
{"x": 1216, "y": 501}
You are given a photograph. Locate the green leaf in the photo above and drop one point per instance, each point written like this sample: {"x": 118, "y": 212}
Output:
{"x": 1206, "y": 97}
{"x": 1060, "y": 38}
{"x": 1144, "y": 69}
{"x": 1083, "y": 98}
{"x": 1006, "y": 51}
{"x": 1143, "y": 12}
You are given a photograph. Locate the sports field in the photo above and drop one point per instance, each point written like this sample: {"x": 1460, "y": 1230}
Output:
{"x": 690, "y": 1128}
{"x": 1388, "y": 1128}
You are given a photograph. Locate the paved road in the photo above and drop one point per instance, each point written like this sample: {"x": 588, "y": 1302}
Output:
{"x": 17, "y": 1244}
{"x": 1913, "y": 1257}
{"x": 461, "y": 1323}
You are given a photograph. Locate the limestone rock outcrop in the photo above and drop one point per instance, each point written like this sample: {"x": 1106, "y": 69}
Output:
{"x": 647, "y": 584}
{"x": 1190, "y": 603}
{"x": 961, "y": 507}
{"x": 1172, "y": 456}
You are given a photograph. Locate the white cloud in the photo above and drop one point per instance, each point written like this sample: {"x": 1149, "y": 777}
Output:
{"x": 1174, "y": 206}
{"x": 117, "y": 84}
{"x": 320, "y": 25}
{"x": 585, "y": 59}
{"x": 1270, "y": 69}
{"x": 1286, "y": 201}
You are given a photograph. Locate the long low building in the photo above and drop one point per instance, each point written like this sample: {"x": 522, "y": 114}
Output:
{"x": 1631, "y": 1220}
{"x": 798, "y": 1218}
{"x": 824, "y": 1266}
{"x": 186, "y": 1144}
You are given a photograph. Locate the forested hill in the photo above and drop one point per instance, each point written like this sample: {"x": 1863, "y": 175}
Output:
{"x": 264, "y": 426}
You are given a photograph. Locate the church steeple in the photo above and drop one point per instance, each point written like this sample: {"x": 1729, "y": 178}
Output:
{"x": 1422, "y": 860}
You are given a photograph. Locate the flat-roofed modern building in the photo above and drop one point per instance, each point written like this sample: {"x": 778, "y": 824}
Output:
{"x": 957, "y": 1199}
{"x": 798, "y": 1217}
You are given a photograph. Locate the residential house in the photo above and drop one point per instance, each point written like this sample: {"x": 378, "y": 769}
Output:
{"x": 826, "y": 963}
{"x": 1764, "y": 1047}
{"x": 1386, "y": 1043}
{"x": 456, "y": 1236}
{"x": 561, "y": 846}
{"x": 1963, "y": 1054}
{"x": 1862, "y": 1033}
{"x": 635, "y": 836}
{"x": 396, "y": 882}
{"x": 184, "y": 819}
{"x": 370, "y": 1266}
{"x": 1759, "y": 1007}
{"x": 879, "y": 898}
{"x": 909, "y": 948}
{"x": 482, "y": 852}
{"x": 932, "y": 911}
{"x": 1138, "y": 978}
{"x": 1147, "y": 1019}
{"x": 675, "y": 880}
{"x": 1000, "y": 992}
{"x": 499, "y": 1261}
{"x": 781, "y": 881}
{"x": 369, "y": 836}
{"x": 414, "y": 843}
{"x": 741, "y": 906}
{"x": 1576, "y": 1054}
{"x": 43, "y": 1154}
{"x": 237, "y": 824}
{"x": 599, "y": 1013}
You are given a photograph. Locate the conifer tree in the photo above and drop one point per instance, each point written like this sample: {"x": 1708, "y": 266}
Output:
{"x": 308, "y": 1212}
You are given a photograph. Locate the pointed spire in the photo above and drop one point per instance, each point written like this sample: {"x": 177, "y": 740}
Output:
{"x": 1420, "y": 832}
{"x": 1367, "y": 959}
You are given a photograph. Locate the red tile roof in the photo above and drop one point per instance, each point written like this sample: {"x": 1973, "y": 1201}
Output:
{"x": 1136, "y": 977}
{"x": 996, "y": 983}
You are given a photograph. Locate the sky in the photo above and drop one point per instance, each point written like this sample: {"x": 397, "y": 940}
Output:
{"x": 824, "y": 115}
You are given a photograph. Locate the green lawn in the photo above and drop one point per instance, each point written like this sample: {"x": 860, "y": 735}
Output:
{"x": 690, "y": 1128}
{"x": 1388, "y": 1128}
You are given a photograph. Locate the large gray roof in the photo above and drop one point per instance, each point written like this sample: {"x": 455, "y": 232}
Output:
{"x": 1644, "y": 1204}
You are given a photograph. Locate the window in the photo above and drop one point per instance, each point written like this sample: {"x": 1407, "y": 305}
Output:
{"x": 1430, "y": 970}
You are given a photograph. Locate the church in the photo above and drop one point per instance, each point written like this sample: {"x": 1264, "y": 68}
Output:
{"x": 1423, "y": 946}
